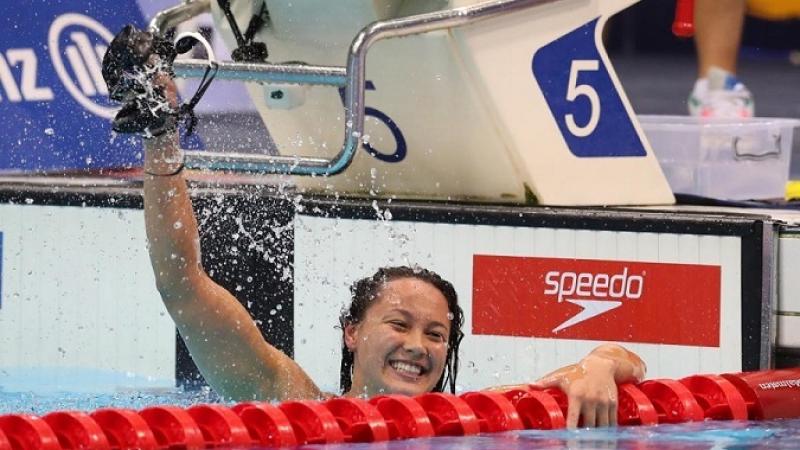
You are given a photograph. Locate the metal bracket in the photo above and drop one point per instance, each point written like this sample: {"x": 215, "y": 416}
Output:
{"x": 352, "y": 78}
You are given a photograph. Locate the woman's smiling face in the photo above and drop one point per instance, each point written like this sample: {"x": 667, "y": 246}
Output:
{"x": 400, "y": 346}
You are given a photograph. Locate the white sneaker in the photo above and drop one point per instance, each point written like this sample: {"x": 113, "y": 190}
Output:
{"x": 720, "y": 95}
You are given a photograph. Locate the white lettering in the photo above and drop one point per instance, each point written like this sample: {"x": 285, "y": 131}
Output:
{"x": 78, "y": 65}
{"x": 584, "y": 284}
{"x": 772, "y": 385}
{"x": 618, "y": 292}
{"x": 568, "y": 291}
{"x": 7, "y": 80}
{"x": 26, "y": 58}
{"x": 599, "y": 289}
{"x": 634, "y": 280}
{"x": 90, "y": 58}
{"x": 550, "y": 280}
{"x": 82, "y": 57}
{"x": 596, "y": 286}
{"x": 80, "y": 71}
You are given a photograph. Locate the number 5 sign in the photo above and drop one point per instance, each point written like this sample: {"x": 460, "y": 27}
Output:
{"x": 559, "y": 106}
{"x": 584, "y": 101}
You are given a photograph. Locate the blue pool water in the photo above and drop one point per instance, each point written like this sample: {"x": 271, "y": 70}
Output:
{"x": 778, "y": 434}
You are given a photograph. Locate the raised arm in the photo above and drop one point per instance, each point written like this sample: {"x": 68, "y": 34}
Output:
{"x": 222, "y": 337}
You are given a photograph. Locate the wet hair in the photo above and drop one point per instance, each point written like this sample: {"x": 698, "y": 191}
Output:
{"x": 365, "y": 291}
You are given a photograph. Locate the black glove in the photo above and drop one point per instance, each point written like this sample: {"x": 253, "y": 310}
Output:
{"x": 129, "y": 71}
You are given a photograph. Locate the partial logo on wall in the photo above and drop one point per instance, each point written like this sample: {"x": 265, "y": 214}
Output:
{"x": 596, "y": 300}
{"x": 53, "y": 101}
{"x": 77, "y": 44}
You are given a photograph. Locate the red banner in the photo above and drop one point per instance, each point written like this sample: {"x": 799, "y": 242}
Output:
{"x": 624, "y": 301}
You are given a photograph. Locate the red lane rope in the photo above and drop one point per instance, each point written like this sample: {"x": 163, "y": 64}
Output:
{"x": 741, "y": 396}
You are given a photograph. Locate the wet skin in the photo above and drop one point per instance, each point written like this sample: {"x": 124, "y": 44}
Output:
{"x": 401, "y": 343}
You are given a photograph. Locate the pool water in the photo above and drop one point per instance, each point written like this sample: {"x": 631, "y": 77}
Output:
{"x": 711, "y": 435}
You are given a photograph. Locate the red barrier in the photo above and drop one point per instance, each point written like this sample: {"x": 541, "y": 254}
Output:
{"x": 560, "y": 397}
{"x": 634, "y": 408}
{"x": 359, "y": 420}
{"x": 267, "y": 424}
{"x": 173, "y": 428}
{"x": 125, "y": 429}
{"x": 4, "y": 443}
{"x": 537, "y": 409}
{"x": 672, "y": 400}
{"x": 515, "y": 393}
{"x": 718, "y": 397}
{"x": 770, "y": 394}
{"x": 221, "y": 427}
{"x": 495, "y": 412}
{"x": 312, "y": 423}
{"x": 755, "y": 395}
{"x": 450, "y": 416}
{"x": 405, "y": 418}
{"x": 77, "y": 430}
{"x": 683, "y": 25}
{"x": 26, "y": 432}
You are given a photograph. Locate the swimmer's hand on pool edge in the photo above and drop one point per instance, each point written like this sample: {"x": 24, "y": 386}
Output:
{"x": 591, "y": 384}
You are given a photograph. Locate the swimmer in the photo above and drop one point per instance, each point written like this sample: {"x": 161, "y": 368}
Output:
{"x": 400, "y": 334}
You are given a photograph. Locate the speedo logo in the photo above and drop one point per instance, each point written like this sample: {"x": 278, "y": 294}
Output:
{"x": 595, "y": 293}
{"x": 565, "y": 298}
{"x": 598, "y": 286}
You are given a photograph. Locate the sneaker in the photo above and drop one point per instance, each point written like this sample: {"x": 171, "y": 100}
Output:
{"x": 720, "y": 95}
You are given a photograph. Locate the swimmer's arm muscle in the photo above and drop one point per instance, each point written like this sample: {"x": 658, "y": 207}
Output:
{"x": 222, "y": 338}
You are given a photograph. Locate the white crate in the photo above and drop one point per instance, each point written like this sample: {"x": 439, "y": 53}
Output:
{"x": 732, "y": 159}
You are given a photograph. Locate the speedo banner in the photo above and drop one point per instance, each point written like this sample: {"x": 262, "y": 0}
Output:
{"x": 54, "y": 105}
{"x": 586, "y": 299}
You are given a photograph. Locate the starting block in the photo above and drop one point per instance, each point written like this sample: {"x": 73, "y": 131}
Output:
{"x": 503, "y": 101}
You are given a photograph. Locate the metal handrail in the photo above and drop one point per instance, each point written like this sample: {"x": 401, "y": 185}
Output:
{"x": 352, "y": 78}
{"x": 265, "y": 72}
{"x": 170, "y": 17}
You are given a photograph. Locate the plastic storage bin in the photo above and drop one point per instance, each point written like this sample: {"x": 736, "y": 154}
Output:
{"x": 728, "y": 159}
